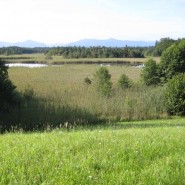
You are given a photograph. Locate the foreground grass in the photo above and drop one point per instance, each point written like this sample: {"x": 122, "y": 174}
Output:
{"x": 149, "y": 152}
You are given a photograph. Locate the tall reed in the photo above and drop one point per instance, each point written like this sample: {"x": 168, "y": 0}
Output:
{"x": 53, "y": 97}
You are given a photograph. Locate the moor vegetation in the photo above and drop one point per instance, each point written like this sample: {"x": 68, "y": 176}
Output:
{"x": 89, "y": 117}
{"x": 80, "y": 95}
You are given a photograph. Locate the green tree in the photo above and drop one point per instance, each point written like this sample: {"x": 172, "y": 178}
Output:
{"x": 173, "y": 61}
{"x": 7, "y": 89}
{"x": 175, "y": 95}
{"x": 149, "y": 74}
{"x": 162, "y": 45}
{"x": 103, "y": 82}
{"x": 124, "y": 81}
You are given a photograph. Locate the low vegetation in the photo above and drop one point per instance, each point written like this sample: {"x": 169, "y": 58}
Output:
{"x": 147, "y": 152}
{"x": 59, "y": 60}
{"x": 102, "y": 81}
{"x": 52, "y": 96}
{"x": 79, "y": 110}
{"x": 124, "y": 82}
{"x": 91, "y": 94}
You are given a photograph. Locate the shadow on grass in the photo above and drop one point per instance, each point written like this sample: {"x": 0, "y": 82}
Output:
{"x": 35, "y": 114}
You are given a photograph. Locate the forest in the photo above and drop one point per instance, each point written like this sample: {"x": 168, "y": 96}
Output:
{"x": 94, "y": 52}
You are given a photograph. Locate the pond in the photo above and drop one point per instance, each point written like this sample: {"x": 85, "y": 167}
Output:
{"x": 25, "y": 65}
{"x": 35, "y": 65}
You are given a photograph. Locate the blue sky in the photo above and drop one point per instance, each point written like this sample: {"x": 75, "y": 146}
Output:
{"x": 63, "y": 21}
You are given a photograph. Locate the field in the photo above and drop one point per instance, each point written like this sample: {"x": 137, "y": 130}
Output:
{"x": 147, "y": 152}
{"x": 57, "y": 94}
{"x": 41, "y": 58}
{"x": 85, "y": 140}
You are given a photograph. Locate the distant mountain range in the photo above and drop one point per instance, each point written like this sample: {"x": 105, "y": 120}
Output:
{"x": 27, "y": 44}
{"x": 84, "y": 42}
{"x": 111, "y": 43}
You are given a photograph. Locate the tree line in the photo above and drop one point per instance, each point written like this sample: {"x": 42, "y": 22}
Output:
{"x": 95, "y": 52}
{"x": 160, "y": 46}
{"x": 98, "y": 52}
{"x": 79, "y": 52}
{"x": 14, "y": 50}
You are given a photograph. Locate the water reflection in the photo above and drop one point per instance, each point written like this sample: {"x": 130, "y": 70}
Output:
{"x": 26, "y": 65}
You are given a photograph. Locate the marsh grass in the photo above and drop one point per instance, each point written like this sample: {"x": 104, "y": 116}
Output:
{"x": 42, "y": 58}
{"x": 147, "y": 152}
{"x": 88, "y": 145}
{"x": 54, "y": 96}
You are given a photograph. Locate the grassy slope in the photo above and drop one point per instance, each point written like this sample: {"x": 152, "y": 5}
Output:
{"x": 149, "y": 152}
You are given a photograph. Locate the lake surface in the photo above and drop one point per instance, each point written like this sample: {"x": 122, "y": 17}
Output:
{"x": 34, "y": 65}
{"x": 26, "y": 65}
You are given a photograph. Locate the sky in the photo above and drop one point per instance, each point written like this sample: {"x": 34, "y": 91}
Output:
{"x": 64, "y": 21}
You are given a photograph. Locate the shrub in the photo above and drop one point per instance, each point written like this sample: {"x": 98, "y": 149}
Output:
{"x": 124, "y": 81}
{"x": 149, "y": 73}
{"x": 175, "y": 95}
{"x": 7, "y": 89}
{"x": 87, "y": 81}
{"x": 103, "y": 82}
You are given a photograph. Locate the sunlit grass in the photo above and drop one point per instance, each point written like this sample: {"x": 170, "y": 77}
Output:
{"x": 149, "y": 152}
{"x": 65, "y": 75}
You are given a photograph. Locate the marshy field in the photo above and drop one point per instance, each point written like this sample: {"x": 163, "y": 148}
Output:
{"x": 81, "y": 137}
{"x": 44, "y": 59}
{"x": 58, "y": 94}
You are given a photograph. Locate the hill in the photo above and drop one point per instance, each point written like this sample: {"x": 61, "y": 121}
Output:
{"x": 111, "y": 43}
{"x": 84, "y": 42}
{"x": 27, "y": 44}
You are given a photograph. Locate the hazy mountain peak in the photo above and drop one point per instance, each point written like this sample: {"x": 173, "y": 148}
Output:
{"x": 26, "y": 43}
{"x": 111, "y": 42}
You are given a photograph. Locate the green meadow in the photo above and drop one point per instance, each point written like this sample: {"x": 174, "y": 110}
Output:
{"x": 70, "y": 134}
{"x": 145, "y": 152}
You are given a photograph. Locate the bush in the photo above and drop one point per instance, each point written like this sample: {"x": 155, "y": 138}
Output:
{"x": 103, "y": 82}
{"x": 175, "y": 95}
{"x": 87, "y": 81}
{"x": 173, "y": 61}
{"x": 149, "y": 73}
{"x": 7, "y": 89}
{"x": 124, "y": 82}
